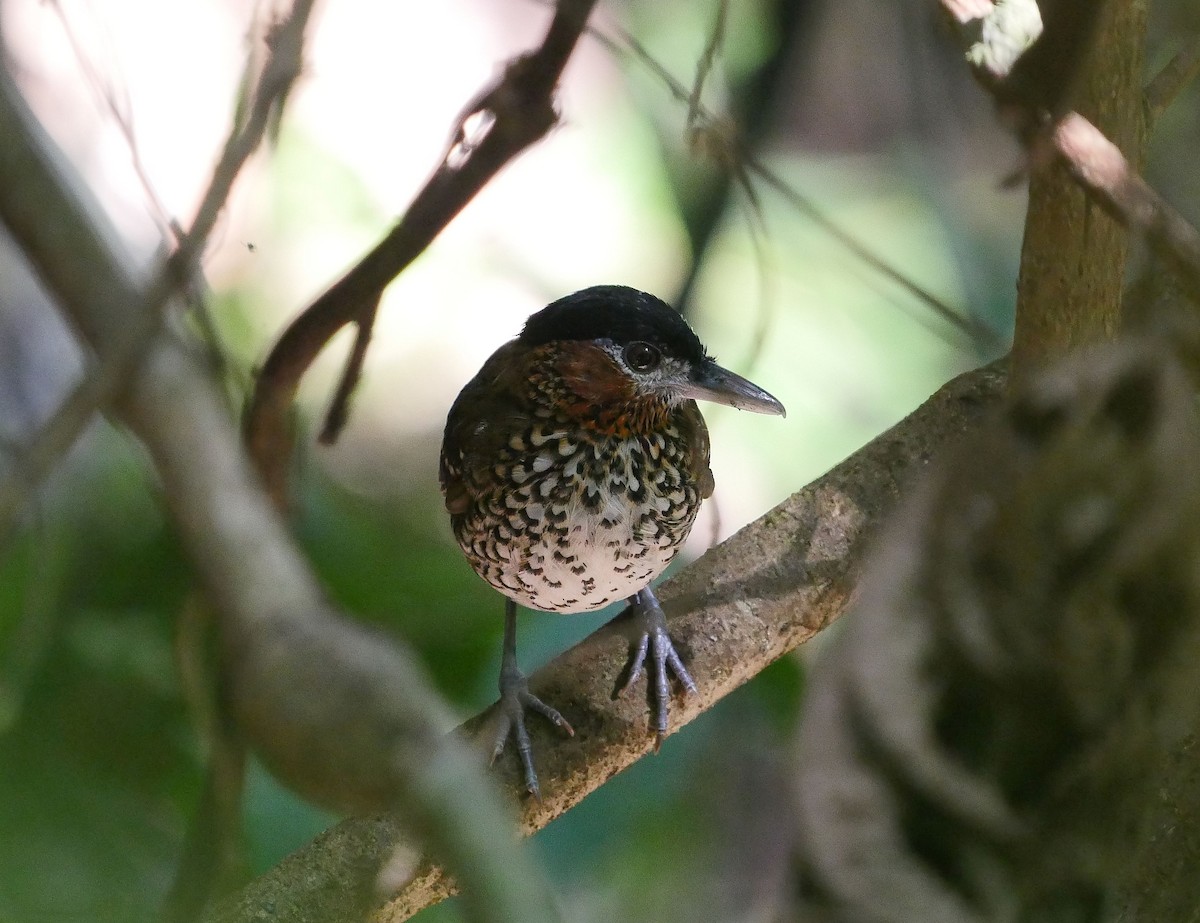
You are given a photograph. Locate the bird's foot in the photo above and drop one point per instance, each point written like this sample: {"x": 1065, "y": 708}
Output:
{"x": 515, "y": 700}
{"x": 652, "y": 640}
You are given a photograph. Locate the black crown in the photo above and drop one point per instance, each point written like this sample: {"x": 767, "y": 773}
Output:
{"x": 618, "y": 313}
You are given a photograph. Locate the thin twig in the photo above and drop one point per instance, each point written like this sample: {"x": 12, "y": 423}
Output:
{"x": 768, "y": 301}
{"x": 623, "y": 43}
{"x": 121, "y": 112}
{"x": 99, "y": 387}
{"x": 1102, "y": 171}
{"x": 339, "y": 407}
{"x": 547, "y": 61}
{"x": 1171, "y": 80}
{"x": 713, "y": 141}
{"x": 704, "y": 66}
{"x": 521, "y": 109}
{"x": 981, "y": 335}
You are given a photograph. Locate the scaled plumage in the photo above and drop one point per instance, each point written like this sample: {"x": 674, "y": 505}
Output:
{"x": 575, "y": 461}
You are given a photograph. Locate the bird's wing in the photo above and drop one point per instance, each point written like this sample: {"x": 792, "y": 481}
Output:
{"x": 695, "y": 433}
{"x": 481, "y": 420}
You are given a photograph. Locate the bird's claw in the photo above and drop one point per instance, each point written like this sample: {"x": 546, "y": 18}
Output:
{"x": 655, "y": 642}
{"x": 515, "y": 700}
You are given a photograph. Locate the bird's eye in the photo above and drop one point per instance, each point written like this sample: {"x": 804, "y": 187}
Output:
{"x": 642, "y": 357}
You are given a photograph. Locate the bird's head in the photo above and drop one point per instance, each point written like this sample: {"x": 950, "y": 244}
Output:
{"x": 616, "y": 345}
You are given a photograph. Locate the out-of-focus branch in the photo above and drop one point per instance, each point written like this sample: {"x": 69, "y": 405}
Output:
{"x": 718, "y": 138}
{"x": 374, "y": 734}
{"x": 1170, "y": 81}
{"x": 268, "y": 80}
{"x": 34, "y": 461}
{"x": 1102, "y": 171}
{"x": 1073, "y": 255}
{"x": 745, "y": 603}
{"x": 1059, "y": 290}
{"x": 981, "y": 742}
{"x": 1160, "y": 881}
{"x": 513, "y": 114}
{"x": 285, "y": 40}
{"x": 210, "y": 862}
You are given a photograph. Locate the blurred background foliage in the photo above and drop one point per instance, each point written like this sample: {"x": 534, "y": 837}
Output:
{"x": 863, "y": 107}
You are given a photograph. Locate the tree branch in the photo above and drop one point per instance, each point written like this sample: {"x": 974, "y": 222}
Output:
{"x": 285, "y": 40}
{"x": 1072, "y": 268}
{"x": 1102, "y": 171}
{"x": 1170, "y": 81}
{"x": 520, "y": 107}
{"x": 374, "y": 733}
{"x": 1073, "y": 257}
{"x": 744, "y": 604}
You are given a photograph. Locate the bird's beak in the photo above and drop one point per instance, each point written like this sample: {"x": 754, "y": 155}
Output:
{"x": 710, "y": 382}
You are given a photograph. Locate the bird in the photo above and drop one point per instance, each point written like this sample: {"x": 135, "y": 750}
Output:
{"x": 573, "y": 466}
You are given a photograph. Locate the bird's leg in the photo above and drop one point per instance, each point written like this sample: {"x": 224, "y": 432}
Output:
{"x": 515, "y": 698}
{"x": 650, "y": 622}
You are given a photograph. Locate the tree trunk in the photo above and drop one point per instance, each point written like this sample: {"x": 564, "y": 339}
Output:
{"x": 1073, "y": 256}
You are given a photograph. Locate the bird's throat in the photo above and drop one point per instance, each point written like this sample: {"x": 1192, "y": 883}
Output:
{"x": 638, "y": 418}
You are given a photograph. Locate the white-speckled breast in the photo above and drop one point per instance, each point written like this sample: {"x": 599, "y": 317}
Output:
{"x": 566, "y": 523}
